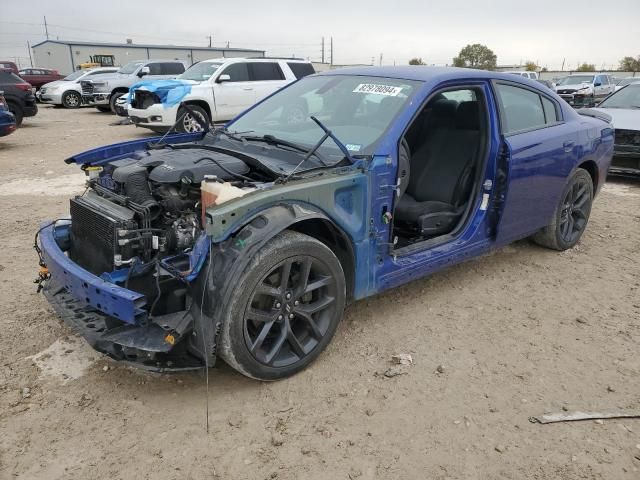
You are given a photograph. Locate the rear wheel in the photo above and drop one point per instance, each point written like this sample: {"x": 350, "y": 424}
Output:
{"x": 71, "y": 99}
{"x": 284, "y": 308}
{"x": 187, "y": 123}
{"x": 571, "y": 215}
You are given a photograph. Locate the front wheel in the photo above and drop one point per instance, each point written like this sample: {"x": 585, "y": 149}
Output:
{"x": 186, "y": 121}
{"x": 71, "y": 100}
{"x": 571, "y": 215}
{"x": 284, "y": 308}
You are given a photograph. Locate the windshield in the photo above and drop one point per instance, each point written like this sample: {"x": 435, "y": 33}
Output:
{"x": 627, "y": 97}
{"x": 576, "y": 80}
{"x": 75, "y": 75}
{"x": 200, "y": 71}
{"x": 357, "y": 109}
{"x": 129, "y": 68}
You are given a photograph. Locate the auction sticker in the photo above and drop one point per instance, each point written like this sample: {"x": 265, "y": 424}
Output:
{"x": 378, "y": 89}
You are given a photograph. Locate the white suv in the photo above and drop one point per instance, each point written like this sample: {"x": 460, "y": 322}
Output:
{"x": 215, "y": 90}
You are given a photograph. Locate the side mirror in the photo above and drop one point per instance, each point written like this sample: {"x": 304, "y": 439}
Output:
{"x": 144, "y": 71}
{"x": 223, "y": 78}
{"x": 597, "y": 84}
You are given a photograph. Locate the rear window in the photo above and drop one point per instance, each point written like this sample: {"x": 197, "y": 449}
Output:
{"x": 8, "y": 77}
{"x": 265, "y": 71}
{"x": 522, "y": 108}
{"x": 301, "y": 69}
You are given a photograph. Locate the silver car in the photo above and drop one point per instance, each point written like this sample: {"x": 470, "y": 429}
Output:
{"x": 67, "y": 92}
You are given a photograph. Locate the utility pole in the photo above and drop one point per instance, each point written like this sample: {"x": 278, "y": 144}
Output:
{"x": 331, "y": 49}
{"x": 210, "y": 37}
{"x": 380, "y": 64}
{"x": 46, "y": 29}
{"x": 562, "y": 68}
{"x": 322, "y": 49}
{"x": 29, "y": 50}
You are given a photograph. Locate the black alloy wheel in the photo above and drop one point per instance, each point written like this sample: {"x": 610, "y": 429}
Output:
{"x": 282, "y": 308}
{"x": 572, "y": 214}
{"x": 576, "y": 207}
{"x": 290, "y": 311}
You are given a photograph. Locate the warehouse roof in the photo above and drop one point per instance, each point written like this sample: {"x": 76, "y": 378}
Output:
{"x": 144, "y": 45}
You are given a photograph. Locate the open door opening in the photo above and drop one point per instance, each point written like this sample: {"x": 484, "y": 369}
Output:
{"x": 441, "y": 166}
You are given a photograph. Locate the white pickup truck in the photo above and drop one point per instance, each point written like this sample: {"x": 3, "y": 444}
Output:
{"x": 215, "y": 90}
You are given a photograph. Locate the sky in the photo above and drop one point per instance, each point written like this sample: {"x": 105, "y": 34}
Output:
{"x": 546, "y": 32}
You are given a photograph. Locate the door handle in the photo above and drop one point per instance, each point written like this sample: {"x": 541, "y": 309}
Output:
{"x": 568, "y": 145}
{"x": 248, "y": 88}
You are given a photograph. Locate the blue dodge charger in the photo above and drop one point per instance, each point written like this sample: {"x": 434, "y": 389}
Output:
{"x": 246, "y": 242}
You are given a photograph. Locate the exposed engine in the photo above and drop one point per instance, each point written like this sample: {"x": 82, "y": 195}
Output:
{"x": 147, "y": 206}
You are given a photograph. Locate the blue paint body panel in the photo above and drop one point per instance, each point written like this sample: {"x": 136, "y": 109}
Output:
{"x": 536, "y": 165}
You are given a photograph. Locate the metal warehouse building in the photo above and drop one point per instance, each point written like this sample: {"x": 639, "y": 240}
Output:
{"x": 65, "y": 56}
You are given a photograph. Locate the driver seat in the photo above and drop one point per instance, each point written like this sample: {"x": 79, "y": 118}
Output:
{"x": 442, "y": 173}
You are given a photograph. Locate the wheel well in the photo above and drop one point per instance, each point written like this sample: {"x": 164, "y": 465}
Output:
{"x": 591, "y": 167}
{"x": 336, "y": 240}
{"x": 202, "y": 104}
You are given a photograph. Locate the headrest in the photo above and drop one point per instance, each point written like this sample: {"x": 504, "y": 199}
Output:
{"x": 468, "y": 116}
{"x": 443, "y": 114}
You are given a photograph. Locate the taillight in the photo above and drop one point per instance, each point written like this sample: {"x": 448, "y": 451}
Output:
{"x": 23, "y": 86}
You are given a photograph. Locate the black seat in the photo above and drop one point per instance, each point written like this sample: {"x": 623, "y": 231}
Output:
{"x": 442, "y": 169}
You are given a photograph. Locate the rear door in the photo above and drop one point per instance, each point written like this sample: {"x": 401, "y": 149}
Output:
{"x": 537, "y": 154}
{"x": 267, "y": 78}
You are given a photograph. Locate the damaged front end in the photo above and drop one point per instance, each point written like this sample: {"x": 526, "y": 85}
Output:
{"x": 626, "y": 153}
{"x": 125, "y": 269}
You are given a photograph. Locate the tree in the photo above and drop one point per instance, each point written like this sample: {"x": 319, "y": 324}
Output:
{"x": 630, "y": 64}
{"x": 544, "y": 69}
{"x": 586, "y": 67}
{"x": 531, "y": 66}
{"x": 416, "y": 61}
{"x": 476, "y": 56}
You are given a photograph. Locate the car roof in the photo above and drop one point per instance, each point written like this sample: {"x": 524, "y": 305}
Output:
{"x": 427, "y": 74}
{"x": 253, "y": 59}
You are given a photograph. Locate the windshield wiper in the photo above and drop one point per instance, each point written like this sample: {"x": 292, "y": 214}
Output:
{"x": 327, "y": 134}
{"x": 273, "y": 140}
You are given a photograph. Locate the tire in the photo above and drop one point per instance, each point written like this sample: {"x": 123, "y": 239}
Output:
{"x": 17, "y": 112}
{"x": 187, "y": 124}
{"x": 112, "y": 100}
{"x": 71, "y": 99}
{"x": 285, "y": 314}
{"x": 103, "y": 108}
{"x": 571, "y": 216}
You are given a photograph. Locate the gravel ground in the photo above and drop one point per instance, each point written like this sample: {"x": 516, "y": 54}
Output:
{"x": 496, "y": 340}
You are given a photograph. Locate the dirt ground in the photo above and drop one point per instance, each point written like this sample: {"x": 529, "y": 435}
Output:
{"x": 516, "y": 333}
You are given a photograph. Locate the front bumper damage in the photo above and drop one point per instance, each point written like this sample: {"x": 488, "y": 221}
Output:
{"x": 111, "y": 318}
{"x": 626, "y": 153}
{"x": 577, "y": 99}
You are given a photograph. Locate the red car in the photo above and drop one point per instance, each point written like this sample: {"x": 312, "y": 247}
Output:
{"x": 6, "y": 65}
{"x": 39, "y": 76}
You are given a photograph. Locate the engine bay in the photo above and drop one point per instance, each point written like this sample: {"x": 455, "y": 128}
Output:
{"x": 142, "y": 210}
